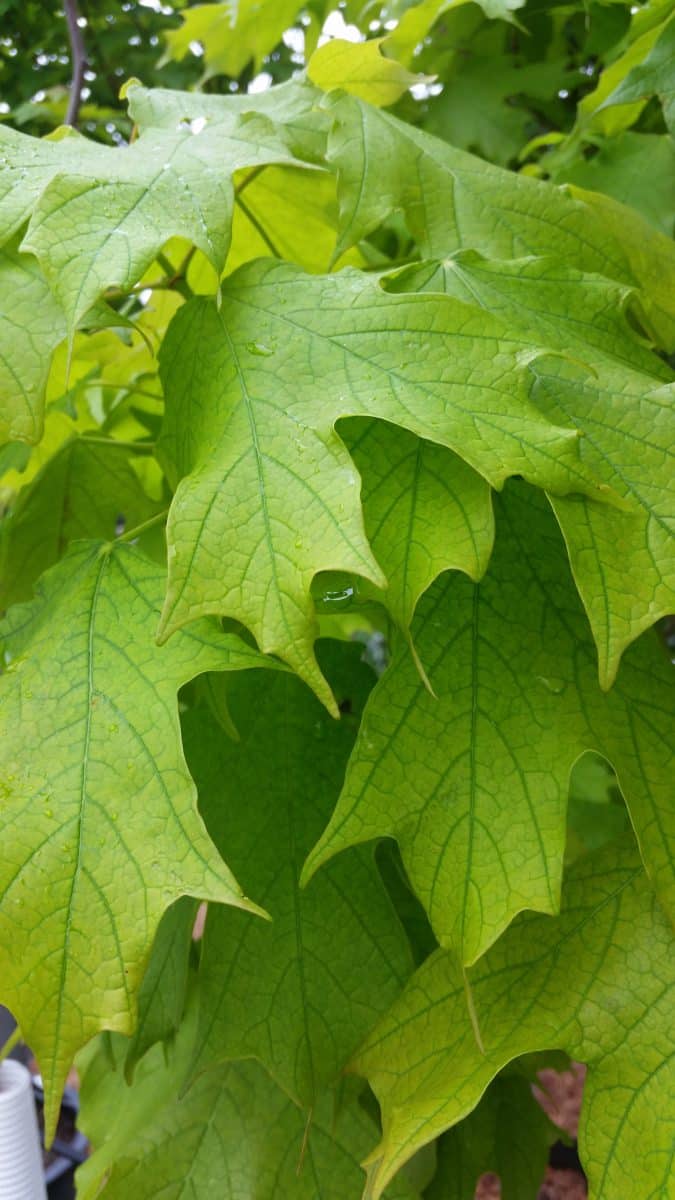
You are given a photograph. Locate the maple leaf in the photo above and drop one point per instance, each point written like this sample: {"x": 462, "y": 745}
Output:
{"x": 455, "y": 201}
{"x": 99, "y": 215}
{"x": 507, "y": 1133}
{"x": 234, "y": 1133}
{"x": 596, "y": 982}
{"x": 266, "y": 494}
{"x": 81, "y": 492}
{"x": 362, "y": 70}
{"x": 31, "y": 327}
{"x": 100, "y": 827}
{"x": 301, "y": 992}
{"x": 473, "y": 784}
{"x": 621, "y": 556}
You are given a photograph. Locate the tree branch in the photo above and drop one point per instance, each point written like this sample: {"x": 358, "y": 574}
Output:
{"x": 78, "y": 56}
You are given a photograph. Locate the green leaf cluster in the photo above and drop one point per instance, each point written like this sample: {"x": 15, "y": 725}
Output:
{"x": 336, "y": 511}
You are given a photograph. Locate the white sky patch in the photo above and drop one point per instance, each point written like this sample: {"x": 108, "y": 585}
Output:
{"x": 260, "y": 83}
{"x": 295, "y": 40}
{"x": 335, "y": 26}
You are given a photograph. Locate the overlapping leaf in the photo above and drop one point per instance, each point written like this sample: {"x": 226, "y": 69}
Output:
{"x": 231, "y": 34}
{"x": 82, "y": 491}
{"x": 360, "y": 69}
{"x": 162, "y": 996}
{"x": 646, "y": 69}
{"x": 99, "y": 215}
{"x": 100, "y": 828}
{"x": 417, "y": 20}
{"x": 425, "y": 510}
{"x": 233, "y": 1135}
{"x": 291, "y": 214}
{"x": 619, "y": 169}
{"x": 596, "y": 982}
{"x": 473, "y": 785}
{"x": 652, "y": 75}
{"x": 507, "y": 1133}
{"x": 622, "y": 557}
{"x": 267, "y": 495}
{"x": 301, "y": 992}
{"x": 31, "y": 327}
{"x": 291, "y": 104}
{"x": 454, "y": 201}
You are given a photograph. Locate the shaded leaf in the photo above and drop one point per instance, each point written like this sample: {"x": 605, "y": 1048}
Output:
{"x": 301, "y": 992}
{"x": 418, "y": 19}
{"x": 163, "y": 993}
{"x": 651, "y": 75}
{"x": 620, "y": 168}
{"x": 408, "y": 482}
{"x": 232, "y": 33}
{"x": 233, "y": 1134}
{"x": 507, "y": 1133}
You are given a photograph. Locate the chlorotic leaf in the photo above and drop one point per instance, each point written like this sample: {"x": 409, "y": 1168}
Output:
{"x": 597, "y": 982}
{"x": 290, "y": 213}
{"x": 31, "y": 327}
{"x": 298, "y": 993}
{"x": 81, "y": 492}
{"x": 622, "y": 557}
{"x": 454, "y": 201}
{"x": 361, "y": 69}
{"x": 292, "y": 105}
{"x": 100, "y": 828}
{"x": 267, "y": 495}
{"x": 408, "y": 482}
{"x": 473, "y": 785}
{"x": 99, "y": 215}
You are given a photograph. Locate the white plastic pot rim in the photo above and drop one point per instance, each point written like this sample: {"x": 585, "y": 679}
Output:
{"x": 21, "y": 1172}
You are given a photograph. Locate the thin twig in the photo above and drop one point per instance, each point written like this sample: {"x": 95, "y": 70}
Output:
{"x": 141, "y": 447}
{"x": 78, "y": 56}
{"x": 130, "y": 534}
{"x": 257, "y": 226}
{"x": 12, "y": 1041}
{"x": 249, "y": 178}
